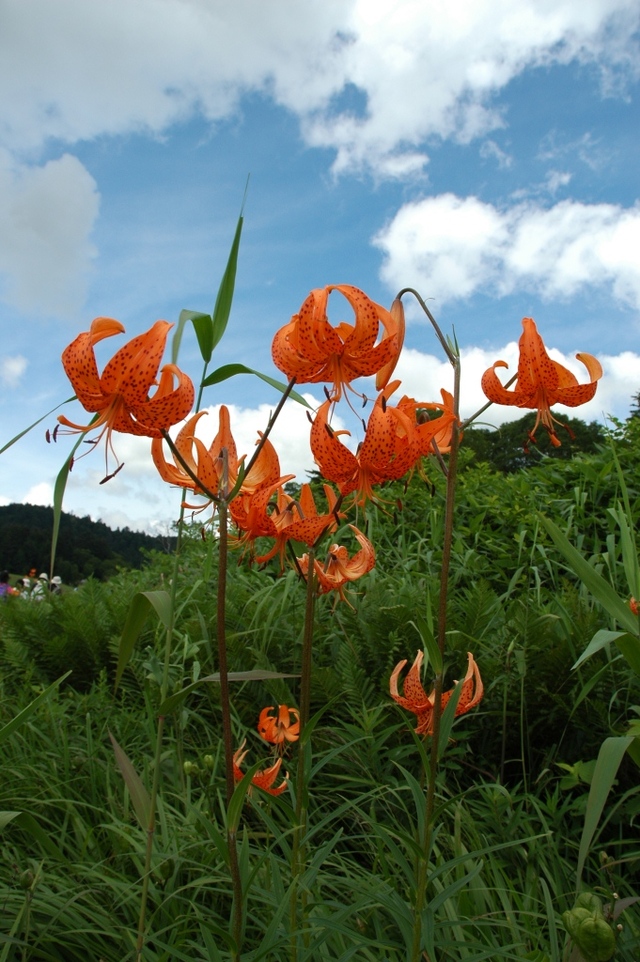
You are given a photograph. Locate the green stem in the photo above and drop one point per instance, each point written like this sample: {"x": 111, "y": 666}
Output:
{"x": 225, "y": 705}
{"x": 422, "y": 877}
{"x": 300, "y": 827}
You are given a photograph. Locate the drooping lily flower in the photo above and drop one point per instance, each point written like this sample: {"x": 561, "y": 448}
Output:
{"x": 541, "y": 382}
{"x": 394, "y": 442}
{"x": 338, "y": 569}
{"x": 204, "y": 462}
{"x": 633, "y": 605}
{"x": 298, "y": 519}
{"x": 281, "y": 727}
{"x": 310, "y": 349}
{"x": 430, "y": 432}
{"x": 248, "y": 508}
{"x": 263, "y": 779}
{"x": 415, "y": 698}
{"x": 120, "y": 396}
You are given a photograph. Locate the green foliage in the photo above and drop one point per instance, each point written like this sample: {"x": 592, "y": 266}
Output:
{"x": 512, "y": 792}
{"x": 509, "y": 448}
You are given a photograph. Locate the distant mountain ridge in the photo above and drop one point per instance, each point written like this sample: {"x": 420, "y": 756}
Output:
{"x": 85, "y": 548}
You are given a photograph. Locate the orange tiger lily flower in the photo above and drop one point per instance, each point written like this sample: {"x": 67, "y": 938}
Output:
{"x": 416, "y": 699}
{"x": 263, "y": 779}
{"x": 541, "y": 382}
{"x": 339, "y": 570}
{"x": 279, "y": 728}
{"x": 310, "y": 349}
{"x": 390, "y": 448}
{"x": 427, "y": 431}
{"x": 120, "y": 394}
{"x": 298, "y": 520}
{"x": 206, "y": 463}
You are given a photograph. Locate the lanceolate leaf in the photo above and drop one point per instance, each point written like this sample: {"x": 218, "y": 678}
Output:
{"x": 224, "y": 299}
{"x": 230, "y": 370}
{"x": 203, "y": 326}
{"x": 35, "y": 424}
{"x": 139, "y": 795}
{"x": 141, "y": 605}
{"x": 27, "y": 822}
{"x": 599, "y": 588}
{"x": 58, "y": 496}
{"x": 607, "y": 765}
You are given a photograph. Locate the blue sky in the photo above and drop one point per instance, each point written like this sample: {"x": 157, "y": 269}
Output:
{"x": 485, "y": 153}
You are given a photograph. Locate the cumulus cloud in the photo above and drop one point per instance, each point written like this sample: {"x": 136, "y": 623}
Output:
{"x": 12, "y": 369}
{"x": 453, "y": 247}
{"x": 41, "y": 493}
{"x": 419, "y": 70}
{"x": 46, "y": 217}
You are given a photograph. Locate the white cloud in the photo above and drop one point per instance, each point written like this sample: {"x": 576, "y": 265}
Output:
{"x": 46, "y": 217}
{"x": 41, "y": 493}
{"x": 11, "y": 369}
{"x": 419, "y": 69}
{"x": 452, "y": 247}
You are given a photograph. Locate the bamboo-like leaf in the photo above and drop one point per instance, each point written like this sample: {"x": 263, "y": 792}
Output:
{"x": 448, "y": 716}
{"x": 222, "y": 308}
{"x": 629, "y": 550}
{"x": 609, "y": 757}
{"x": 203, "y": 326}
{"x": 140, "y": 798}
{"x": 231, "y": 370}
{"x": 58, "y": 497}
{"x": 429, "y": 642}
{"x": 234, "y": 811}
{"x": 35, "y": 424}
{"x": 139, "y": 609}
{"x": 257, "y": 674}
{"x": 22, "y": 716}
{"x": 599, "y": 588}
{"x": 26, "y": 821}
{"x": 600, "y": 640}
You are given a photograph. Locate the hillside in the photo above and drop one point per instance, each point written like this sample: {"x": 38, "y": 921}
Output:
{"x": 86, "y": 548}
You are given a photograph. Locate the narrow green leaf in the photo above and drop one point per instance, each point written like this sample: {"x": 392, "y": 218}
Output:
{"x": 448, "y": 716}
{"x": 26, "y": 821}
{"x": 234, "y": 811}
{"x": 139, "y": 609}
{"x": 203, "y": 326}
{"x": 600, "y": 640}
{"x": 599, "y": 588}
{"x": 22, "y": 716}
{"x": 629, "y": 551}
{"x": 230, "y": 370}
{"x": 429, "y": 642}
{"x": 139, "y": 795}
{"x": 58, "y": 497}
{"x": 222, "y": 308}
{"x": 174, "y": 701}
{"x": 35, "y": 424}
{"x": 607, "y": 765}
{"x": 628, "y": 646}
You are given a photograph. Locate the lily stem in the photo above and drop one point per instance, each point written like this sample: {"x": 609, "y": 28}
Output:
{"x": 422, "y": 876}
{"x": 225, "y": 704}
{"x": 302, "y": 788}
